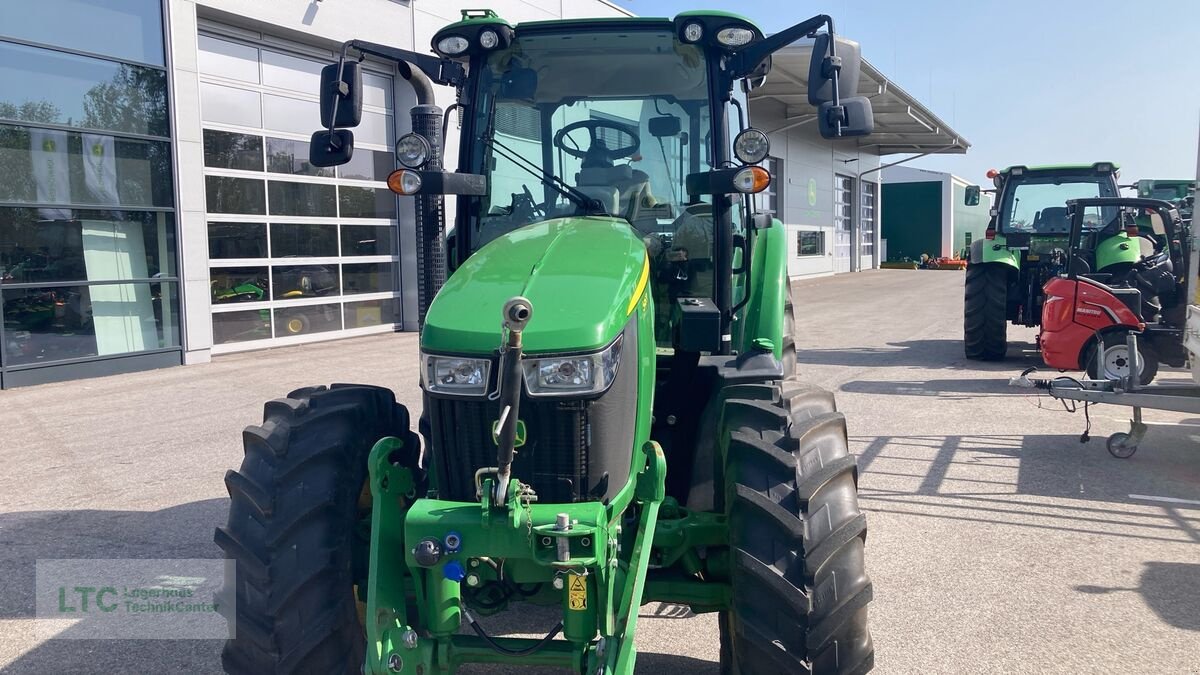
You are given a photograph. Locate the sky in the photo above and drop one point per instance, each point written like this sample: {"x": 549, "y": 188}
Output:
{"x": 1055, "y": 81}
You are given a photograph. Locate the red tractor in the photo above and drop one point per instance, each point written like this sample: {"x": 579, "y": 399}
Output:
{"x": 1087, "y": 316}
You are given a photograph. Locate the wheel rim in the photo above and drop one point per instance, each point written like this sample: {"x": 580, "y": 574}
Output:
{"x": 295, "y": 326}
{"x": 1116, "y": 362}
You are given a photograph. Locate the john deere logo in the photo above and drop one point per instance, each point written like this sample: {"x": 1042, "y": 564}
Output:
{"x": 519, "y": 438}
{"x": 48, "y": 145}
{"x": 812, "y": 191}
{"x": 98, "y": 149}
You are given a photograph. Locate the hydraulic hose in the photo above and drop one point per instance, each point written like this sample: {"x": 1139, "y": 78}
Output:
{"x": 505, "y": 650}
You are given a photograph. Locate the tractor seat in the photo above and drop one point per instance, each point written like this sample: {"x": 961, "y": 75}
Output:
{"x": 1053, "y": 219}
{"x": 629, "y": 183}
{"x": 1130, "y": 297}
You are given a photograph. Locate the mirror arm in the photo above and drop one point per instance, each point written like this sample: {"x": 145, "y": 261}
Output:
{"x": 743, "y": 62}
{"x": 441, "y": 71}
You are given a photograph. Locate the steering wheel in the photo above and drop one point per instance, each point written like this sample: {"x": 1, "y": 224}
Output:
{"x": 593, "y": 125}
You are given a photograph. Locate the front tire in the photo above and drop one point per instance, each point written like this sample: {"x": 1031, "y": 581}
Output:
{"x": 985, "y": 312}
{"x": 294, "y": 508}
{"x": 800, "y": 588}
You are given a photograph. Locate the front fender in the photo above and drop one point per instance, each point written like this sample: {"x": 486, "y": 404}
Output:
{"x": 1117, "y": 249}
{"x": 762, "y": 317}
{"x": 994, "y": 250}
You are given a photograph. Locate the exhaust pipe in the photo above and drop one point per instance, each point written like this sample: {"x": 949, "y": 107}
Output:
{"x": 430, "y": 210}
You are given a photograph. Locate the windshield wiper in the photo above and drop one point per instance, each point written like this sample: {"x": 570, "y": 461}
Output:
{"x": 590, "y": 206}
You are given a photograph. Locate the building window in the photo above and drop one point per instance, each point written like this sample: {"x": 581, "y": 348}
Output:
{"x": 767, "y": 201}
{"x": 519, "y": 121}
{"x": 87, "y": 225}
{"x": 810, "y": 242}
{"x": 295, "y": 250}
{"x": 866, "y": 219}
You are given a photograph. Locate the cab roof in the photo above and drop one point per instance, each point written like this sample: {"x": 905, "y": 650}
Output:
{"x": 1049, "y": 168}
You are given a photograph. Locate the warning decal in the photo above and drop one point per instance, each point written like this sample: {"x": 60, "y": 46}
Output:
{"x": 576, "y": 592}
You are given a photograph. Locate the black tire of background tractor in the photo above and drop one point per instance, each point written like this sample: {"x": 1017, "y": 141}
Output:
{"x": 985, "y": 312}
{"x": 1149, "y": 357}
{"x": 799, "y": 586}
{"x": 789, "y": 333}
{"x": 294, "y": 507}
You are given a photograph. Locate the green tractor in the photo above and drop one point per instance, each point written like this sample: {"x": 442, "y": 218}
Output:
{"x": 1181, "y": 193}
{"x": 1024, "y": 247}
{"x": 611, "y": 412}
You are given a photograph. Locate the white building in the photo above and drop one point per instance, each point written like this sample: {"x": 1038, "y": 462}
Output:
{"x": 827, "y": 192}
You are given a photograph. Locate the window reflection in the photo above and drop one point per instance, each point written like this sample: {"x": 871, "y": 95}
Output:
{"x": 368, "y": 240}
{"x": 223, "y": 194}
{"x": 237, "y": 240}
{"x": 301, "y": 199}
{"x": 298, "y": 240}
{"x": 368, "y": 165}
{"x": 51, "y": 166}
{"x": 46, "y": 86}
{"x": 361, "y": 202}
{"x": 254, "y": 324}
{"x": 125, "y": 29}
{"x": 68, "y": 322}
{"x": 226, "y": 150}
{"x": 287, "y": 156}
{"x": 84, "y": 245}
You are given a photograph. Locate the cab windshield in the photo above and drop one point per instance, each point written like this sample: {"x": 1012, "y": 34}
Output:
{"x": 596, "y": 123}
{"x": 1038, "y": 204}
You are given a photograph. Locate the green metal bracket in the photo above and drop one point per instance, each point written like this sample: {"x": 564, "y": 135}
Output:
{"x": 392, "y": 487}
{"x": 651, "y": 490}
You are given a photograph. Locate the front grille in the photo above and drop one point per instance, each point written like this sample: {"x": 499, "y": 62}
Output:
{"x": 554, "y": 459}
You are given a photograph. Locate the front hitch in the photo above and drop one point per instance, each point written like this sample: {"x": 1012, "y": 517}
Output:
{"x": 517, "y": 313}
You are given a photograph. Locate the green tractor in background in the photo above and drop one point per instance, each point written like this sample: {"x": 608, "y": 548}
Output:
{"x": 611, "y": 411}
{"x": 1025, "y": 246}
{"x": 1181, "y": 193}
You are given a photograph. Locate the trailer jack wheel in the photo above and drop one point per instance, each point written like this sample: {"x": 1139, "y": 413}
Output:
{"x": 1122, "y": 445}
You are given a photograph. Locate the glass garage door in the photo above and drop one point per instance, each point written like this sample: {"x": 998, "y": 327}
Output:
{"x": 296, "y": 252}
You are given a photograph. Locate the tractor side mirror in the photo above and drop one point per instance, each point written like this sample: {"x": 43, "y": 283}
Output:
{"x": 854, "y": 114}
{"x": 341, "y": 88}
{"x": 971, "y": 198}
{"x": 331, "y": 148}
{"x": 822, "y": 69}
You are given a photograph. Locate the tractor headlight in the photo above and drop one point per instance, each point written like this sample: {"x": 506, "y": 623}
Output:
{"x": 751, "y": 146}
{"x": 575, "y": 375}
{"x": 693, "y": 32}
{"x": 453, "y": 45}
{"x": 412, "y": 150}
{"x": 735, "y": 36}
{"x": 455, "y": 375}
{"x": 488, "y": 39}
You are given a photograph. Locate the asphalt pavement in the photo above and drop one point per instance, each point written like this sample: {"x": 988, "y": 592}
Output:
{"x": 997, "y": 542}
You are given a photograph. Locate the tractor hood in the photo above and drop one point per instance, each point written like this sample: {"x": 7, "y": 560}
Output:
{"x": 583, "y": 277}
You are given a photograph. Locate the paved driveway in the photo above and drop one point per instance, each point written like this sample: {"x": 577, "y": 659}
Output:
{"x": 998, "y": 542}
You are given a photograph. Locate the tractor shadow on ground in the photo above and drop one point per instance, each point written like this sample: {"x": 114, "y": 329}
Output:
{"x": 991, "y": 479}
{"x": 1169, "y": 589}
{"x": 934, "y": 354}
{"x": 183, "y": 531}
